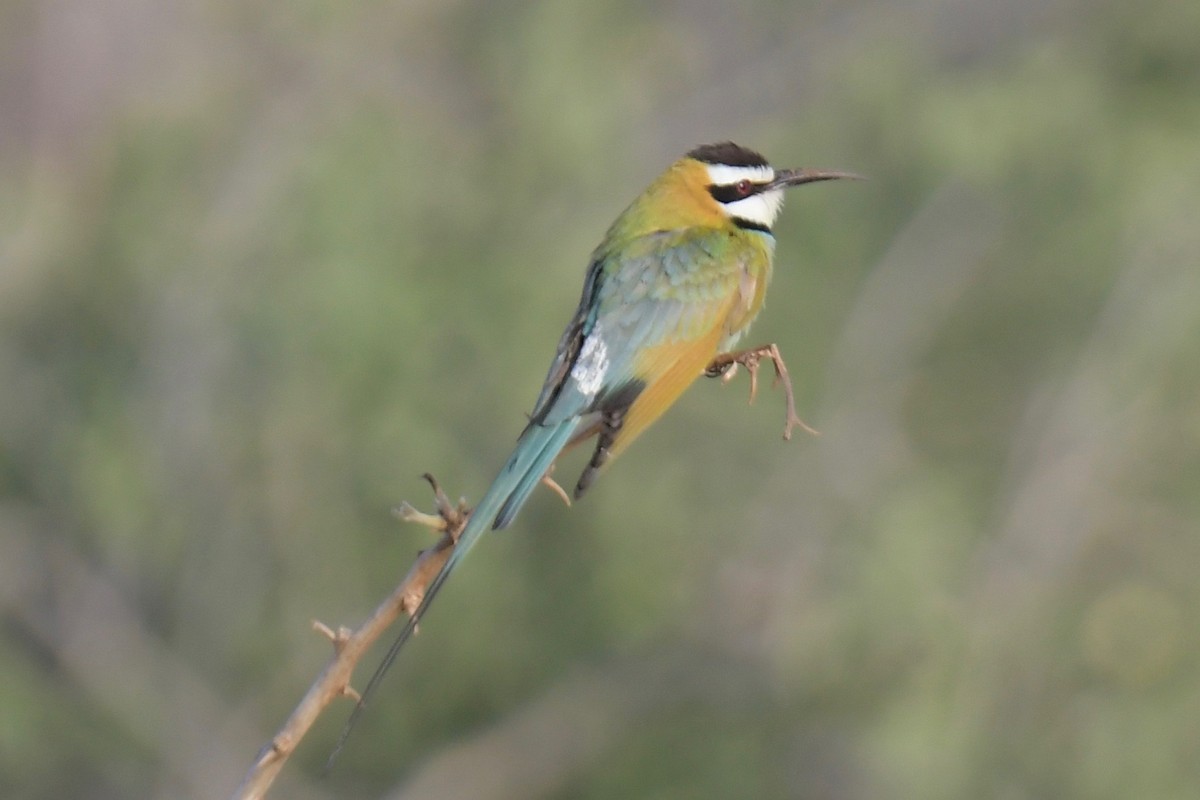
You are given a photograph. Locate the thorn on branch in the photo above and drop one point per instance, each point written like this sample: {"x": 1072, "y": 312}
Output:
{"x": 338, "y": 639}
{"x": 445, "y": 509}
{"x": 411, "y": 602}
{"x": 406, "y": 513}
{"x": 277, "y": 749}
{"x": 449, "y": 518}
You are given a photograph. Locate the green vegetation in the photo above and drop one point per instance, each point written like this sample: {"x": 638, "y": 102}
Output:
{"x": 262, "y": 265}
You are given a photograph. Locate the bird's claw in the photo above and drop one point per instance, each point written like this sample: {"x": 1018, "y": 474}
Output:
{"x": 725, "y": 366}
{"x": 721, "y": 368}
{"x": 553, "y": 486}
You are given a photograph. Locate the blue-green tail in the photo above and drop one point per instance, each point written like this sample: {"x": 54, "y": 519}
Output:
{"x": 535, "y": 452}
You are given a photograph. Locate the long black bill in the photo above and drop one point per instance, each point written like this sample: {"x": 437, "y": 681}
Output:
{"x": 795, "y": 177}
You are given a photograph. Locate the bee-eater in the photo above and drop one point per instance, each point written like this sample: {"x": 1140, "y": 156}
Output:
{"x": 675, "y": 283}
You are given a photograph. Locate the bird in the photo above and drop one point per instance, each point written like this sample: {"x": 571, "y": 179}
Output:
{"x": 673, "y": 286}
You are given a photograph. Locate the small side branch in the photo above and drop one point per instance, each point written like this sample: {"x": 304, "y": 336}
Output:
{"x": 350, "y": 645}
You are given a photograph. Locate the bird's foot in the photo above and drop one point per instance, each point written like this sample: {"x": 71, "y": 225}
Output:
{"x": 725, "y": 367}
{"x": 553, "y": 486}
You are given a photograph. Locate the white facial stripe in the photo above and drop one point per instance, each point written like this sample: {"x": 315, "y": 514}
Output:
{"x": 761, "y": 209}
{"x": 725, "y": 175}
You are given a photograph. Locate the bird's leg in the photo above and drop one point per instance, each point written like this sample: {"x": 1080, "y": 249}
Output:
{"x": 609, "y": 426}
{"x": 725, "y": 365}
{"x": 553, "y": 485}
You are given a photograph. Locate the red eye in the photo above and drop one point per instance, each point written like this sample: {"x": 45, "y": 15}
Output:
{"x": 743, "y": 188}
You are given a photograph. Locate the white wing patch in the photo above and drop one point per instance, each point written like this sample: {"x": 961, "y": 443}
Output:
{"x": 588, "y": 371}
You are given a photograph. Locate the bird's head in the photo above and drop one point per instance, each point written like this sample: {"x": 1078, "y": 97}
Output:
{"x": 712, "y": 186}
{"x": 742, "y": 186}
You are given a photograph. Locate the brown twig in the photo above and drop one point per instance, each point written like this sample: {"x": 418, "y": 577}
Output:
{"x": 449, "y": 520}
{"x": 349, "y": 646}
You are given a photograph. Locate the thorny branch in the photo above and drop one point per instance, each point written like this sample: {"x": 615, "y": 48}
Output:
{"x": 449, "y": 520}
{"x": 349, "y": 646}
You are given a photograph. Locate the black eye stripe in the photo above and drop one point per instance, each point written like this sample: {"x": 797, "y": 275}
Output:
{"x": 729, "y": 193}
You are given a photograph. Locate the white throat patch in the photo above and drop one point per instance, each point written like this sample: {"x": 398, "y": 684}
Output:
{"x": 761, "y": 209}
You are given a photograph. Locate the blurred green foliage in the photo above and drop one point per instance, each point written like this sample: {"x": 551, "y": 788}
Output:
{"x": 261, "y": 265}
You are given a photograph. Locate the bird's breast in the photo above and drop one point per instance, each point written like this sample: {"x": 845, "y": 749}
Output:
{"x": 754, "y": 272}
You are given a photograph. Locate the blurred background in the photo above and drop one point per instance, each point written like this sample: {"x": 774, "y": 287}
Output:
{"x": 262, "y": 265}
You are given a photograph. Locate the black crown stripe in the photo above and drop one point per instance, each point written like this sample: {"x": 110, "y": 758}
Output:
{"x": 729, "y": 154}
